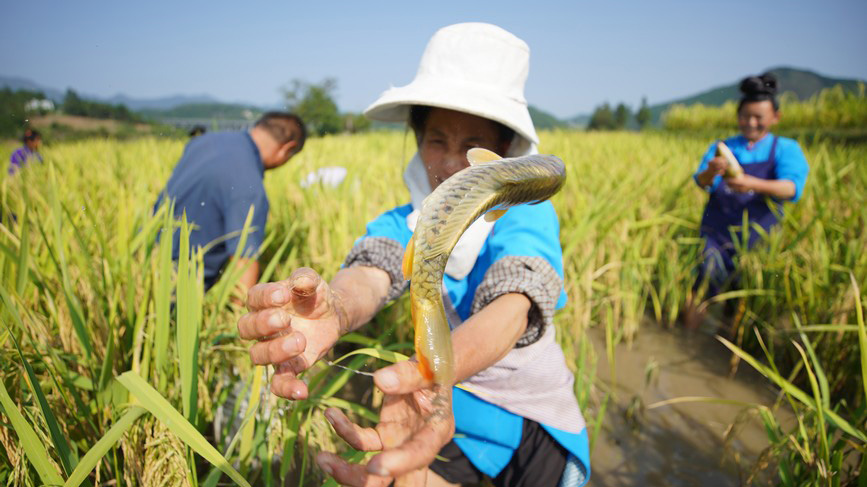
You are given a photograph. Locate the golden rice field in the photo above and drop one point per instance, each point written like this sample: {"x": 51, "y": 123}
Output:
{"x": 104, "y": 382}
{"x": 832, "y": 109}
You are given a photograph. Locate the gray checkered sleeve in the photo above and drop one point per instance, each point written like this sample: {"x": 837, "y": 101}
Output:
{"x": 383, "y": 253}
{"x": 531, "y": 276}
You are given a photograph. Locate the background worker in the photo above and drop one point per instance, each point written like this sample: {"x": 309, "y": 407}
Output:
{"x": 27, "y": 153}
{"x": 774, "y": 171}
{"x": 219, "y": 177}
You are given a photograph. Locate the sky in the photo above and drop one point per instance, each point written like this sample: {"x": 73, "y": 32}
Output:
{"x": 582, "y": 53}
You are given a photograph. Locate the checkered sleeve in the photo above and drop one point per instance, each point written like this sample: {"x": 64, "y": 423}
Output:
{"x": 533, "y": 277}
{"x": 383, "y": 253}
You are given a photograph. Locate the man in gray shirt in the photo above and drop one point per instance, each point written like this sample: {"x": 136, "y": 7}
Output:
{"x": 219, "y": 177}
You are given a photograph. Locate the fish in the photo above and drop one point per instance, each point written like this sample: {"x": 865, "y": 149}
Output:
{"x": 733, "y": 169}
{"x": 489, "y": 187}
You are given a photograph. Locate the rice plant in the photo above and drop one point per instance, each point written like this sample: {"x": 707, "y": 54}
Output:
{"x": 116, "y": 367}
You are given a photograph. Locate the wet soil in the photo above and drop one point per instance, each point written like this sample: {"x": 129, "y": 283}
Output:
{"x": 681, "y": 444}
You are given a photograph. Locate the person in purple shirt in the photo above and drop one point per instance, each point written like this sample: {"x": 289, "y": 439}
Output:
{"x": 774, "y": 171}
{"x": 22, "y": 156}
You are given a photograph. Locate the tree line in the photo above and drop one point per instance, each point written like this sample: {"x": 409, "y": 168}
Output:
{"x": 620, "y": 118}
{"x": 16, "y": 116}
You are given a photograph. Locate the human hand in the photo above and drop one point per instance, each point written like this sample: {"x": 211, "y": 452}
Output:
{"x": 717, "y": 165}
{"x": 742, "y": 183}
{"x": 296, "y": 321}
{"x": 415, "y": 422}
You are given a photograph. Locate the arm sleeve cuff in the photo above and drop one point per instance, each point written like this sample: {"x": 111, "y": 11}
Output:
{"x": 531, "y": 276}
{"x": 383, "y": 253}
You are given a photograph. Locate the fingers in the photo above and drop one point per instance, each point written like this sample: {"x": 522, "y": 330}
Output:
{"x": 400, "y": 378}
{"x": 278, "y": 350}
{"x": 364, "y": 439}
{"x": 268, "y": 295}
{"x": 262, "y": 324}
{"x": 286, "y": 384}
{"x": 349, "y": 474}
{"x": 416, "y": 453}
{"x": 304, "y": 284}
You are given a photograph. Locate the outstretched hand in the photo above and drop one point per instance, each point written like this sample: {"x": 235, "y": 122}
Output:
{"x": 296, "y": 321}
{"x": 415, "y": 422}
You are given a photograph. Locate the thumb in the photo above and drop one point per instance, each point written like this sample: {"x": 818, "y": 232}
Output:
{"x": 304, "y": 285}
{"x": 400, "y": 378}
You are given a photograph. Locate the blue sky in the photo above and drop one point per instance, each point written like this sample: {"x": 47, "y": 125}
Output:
{"x": 582, "y": 53}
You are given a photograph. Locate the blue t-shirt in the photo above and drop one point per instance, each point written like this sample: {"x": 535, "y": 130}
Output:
{"x": 790, "y": 162}
{"x": 523, "y": 231}
{"x": 489, "y": 434}
{"x": 218, "y": 178}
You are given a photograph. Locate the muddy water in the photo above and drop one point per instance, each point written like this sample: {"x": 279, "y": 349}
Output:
{"x": 682, "y": 444}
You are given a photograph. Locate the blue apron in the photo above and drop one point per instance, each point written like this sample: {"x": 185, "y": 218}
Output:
{"x": 725, "y": 209}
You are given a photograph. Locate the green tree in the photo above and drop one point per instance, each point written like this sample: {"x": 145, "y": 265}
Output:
{"x": 314, "y": 103}
{"x": 15, "y": 117}
{"x": 76, "y": 105}
{"x": 602, "y": 118}
{"x": 355, "y": 122}
{"x": 643, "y": 115}
{"x": 621, "y": 116}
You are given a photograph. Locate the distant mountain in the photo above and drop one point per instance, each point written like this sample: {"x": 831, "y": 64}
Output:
{"x": 15, "y": 83}
{"x": 544, "y": 120}
{"x": 803, "y": 83}
{"x": 135, "y": 104}
{"x": 162, "y": 103}
{"x": 579, "y": 121}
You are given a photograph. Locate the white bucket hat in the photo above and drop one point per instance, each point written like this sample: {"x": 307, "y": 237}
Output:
{"x": 474, "y": 68}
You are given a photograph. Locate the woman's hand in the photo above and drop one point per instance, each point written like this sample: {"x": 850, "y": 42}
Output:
{"x": 717, "y": 165}
{"x": 742, "y": 183}
{"x": 415, "y": 422}
{"x": 296, "y": 321}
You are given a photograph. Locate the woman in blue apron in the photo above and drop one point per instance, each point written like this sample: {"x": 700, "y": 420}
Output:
{"x": 774, "y": 171}
{"x": 521, "y": 425}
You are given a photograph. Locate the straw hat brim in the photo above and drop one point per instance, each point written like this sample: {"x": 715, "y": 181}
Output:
{"x": 393, "y": 105}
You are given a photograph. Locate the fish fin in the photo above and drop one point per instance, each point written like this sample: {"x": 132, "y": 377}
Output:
{"x": 494, "y": 215}
{"x": 477, "y": 155}
{"x": 424, "y": 367}
{"x": 406, "y": 266}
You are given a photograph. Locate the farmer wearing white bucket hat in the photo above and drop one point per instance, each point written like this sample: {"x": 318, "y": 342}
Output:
{"x": 521, "y": 424}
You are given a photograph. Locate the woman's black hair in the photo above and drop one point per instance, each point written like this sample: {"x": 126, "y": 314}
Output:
{"x": 759, "y": 88}
{"x": 418, "y": 115}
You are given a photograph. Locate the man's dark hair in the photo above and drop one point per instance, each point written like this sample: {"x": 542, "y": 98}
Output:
{"x": 284, "y": 127}
{"x": 418, "y": 115}
{"x": 759, "y": 88}
{"x": 30, "y": 134}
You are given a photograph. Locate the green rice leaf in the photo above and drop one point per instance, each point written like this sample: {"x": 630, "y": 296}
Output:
{"x": 387, "y": 355}
{"x": 249, "y": 428}
{"x": 163, "y": 296}
{"x": 276, "y": 258}
{"x": 101, "y": 448}
{"x": 23, "y": 254}
{"x": 33, "y": 447}
{"x": 68, "y": 458}
{"x": 862, "y": 331}
{"x": 349, "y": 406}
{"x": 794, "y": 391}
{"x": 157, "y": 405}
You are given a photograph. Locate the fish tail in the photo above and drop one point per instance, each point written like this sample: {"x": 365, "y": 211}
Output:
{"x": 433, "y": 344}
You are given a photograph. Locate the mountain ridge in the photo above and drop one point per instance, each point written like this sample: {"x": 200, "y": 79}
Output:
{"x": 804, "y": 83}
